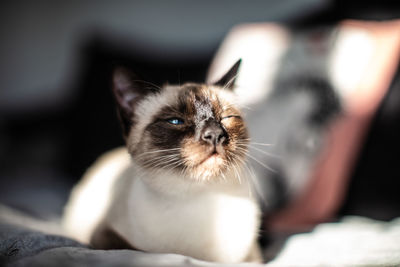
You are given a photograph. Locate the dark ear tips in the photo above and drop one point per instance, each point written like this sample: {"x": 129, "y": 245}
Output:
{"x": 124, "y": 95}
{"x": 228, "y": 80}
{"x": 128, "y": 89}
{"x": 125, "y": 89}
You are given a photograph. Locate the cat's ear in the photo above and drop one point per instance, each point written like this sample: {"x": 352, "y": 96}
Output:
{"x": 228, "y": 80}
{"x": 128, "y": 89}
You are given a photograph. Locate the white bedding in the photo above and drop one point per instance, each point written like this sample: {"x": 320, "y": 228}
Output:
{"x": 354, "y": 241}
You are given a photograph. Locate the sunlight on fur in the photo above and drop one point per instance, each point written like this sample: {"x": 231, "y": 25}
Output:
{"x": 181, "y": 185}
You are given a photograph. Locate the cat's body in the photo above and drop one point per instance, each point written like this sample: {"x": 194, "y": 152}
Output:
{"x": 183, "y": 188}
{"x": 223, "y": 217}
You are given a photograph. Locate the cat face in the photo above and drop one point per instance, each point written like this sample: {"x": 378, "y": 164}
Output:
{"x": 194, "y": 129}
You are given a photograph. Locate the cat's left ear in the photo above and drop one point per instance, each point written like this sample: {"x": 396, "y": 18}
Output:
{"x": 128, "y": 89}
{"x": 228, "y": 80}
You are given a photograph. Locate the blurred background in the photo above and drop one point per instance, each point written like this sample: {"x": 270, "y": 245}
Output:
{"x": 56, "y": 108}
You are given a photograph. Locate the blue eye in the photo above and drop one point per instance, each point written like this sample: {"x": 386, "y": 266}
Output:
{"x": 175, "y": 121}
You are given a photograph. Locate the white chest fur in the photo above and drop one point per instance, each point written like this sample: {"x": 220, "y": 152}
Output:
{"x": 217, "y": 224}
{"x": 215, "y": 221}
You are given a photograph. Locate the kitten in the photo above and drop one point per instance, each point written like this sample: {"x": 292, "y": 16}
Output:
{"x": 184, "y": 187}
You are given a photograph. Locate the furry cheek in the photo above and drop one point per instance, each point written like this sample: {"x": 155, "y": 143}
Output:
{"x": 237, "y": 132}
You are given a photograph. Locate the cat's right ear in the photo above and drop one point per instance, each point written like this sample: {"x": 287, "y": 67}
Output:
{"x": 228, "y": 80}
{"x": 128, "y": 89}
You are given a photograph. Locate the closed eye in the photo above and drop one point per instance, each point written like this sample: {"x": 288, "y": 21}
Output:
{"x": 231, "y": 116}
{"x": 175, "y": 121}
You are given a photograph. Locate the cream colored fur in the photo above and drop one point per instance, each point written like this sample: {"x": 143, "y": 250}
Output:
{"x": 215, "y": 221}
{"x": 162, "y": 211}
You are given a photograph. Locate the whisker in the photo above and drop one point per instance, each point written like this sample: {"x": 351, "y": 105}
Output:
{"x": 255, "y": 143}
{"x": 167, "y": 156}
{"x": 262, "y": 164}
{"x": 236, "y": 171}
{"x": 255, "y": 183}
{"x": 174, "y": 165}
{"x": 242, "y": 145}
{"x": 157, "y": 151}
{"x": 158, "y": 161}
{"x": 242, "y": 149}
{"x": 249, "y": 174}
{"x": 223, "y": 176}
{"x": 266, "y": 153}
{"x": 229, "y": 83}
{"x": 260, "y": 144}
{"x": 162, "y": 150}
{"x": 149, "y": 83}
{"x": 250, "y": 182}
{"x": 167, "y": 161}
{"x": 171, "y": 166}
{"x": 161, "y": 158}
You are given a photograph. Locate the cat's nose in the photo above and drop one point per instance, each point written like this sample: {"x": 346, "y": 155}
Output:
{"x": 214, "y": 134}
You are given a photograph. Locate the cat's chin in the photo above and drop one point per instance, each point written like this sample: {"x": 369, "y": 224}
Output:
{"x": 212, "y": 161}
{"x": 211, "y": 167}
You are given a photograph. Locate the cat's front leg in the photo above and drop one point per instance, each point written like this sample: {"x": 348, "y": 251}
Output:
{"x": 255, "y": 254}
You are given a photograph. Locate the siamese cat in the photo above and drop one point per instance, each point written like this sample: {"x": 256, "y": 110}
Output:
{"x": 181, "y": 185}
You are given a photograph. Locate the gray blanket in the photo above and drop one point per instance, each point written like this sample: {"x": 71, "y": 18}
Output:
{"x": 25, "y": 241}
{"x": 354, "y": 241}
